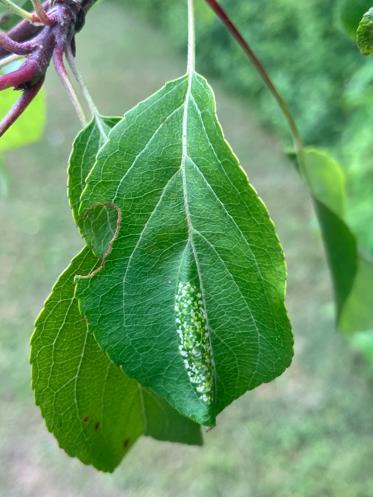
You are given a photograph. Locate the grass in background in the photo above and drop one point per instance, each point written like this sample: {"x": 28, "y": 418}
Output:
{"x": 307, "y": 434}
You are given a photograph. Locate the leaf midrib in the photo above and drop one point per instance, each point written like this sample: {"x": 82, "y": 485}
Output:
{"x": 184, "y": 158}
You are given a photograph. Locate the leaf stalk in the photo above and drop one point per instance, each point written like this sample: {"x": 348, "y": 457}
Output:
{"x": 191, "y": 39}
{"x": 84, "y": 89}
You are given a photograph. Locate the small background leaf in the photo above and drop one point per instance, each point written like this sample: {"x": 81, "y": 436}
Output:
{"x": 364, "y": 34}
{"x": 352, "y": 274}
{"x": 8, "y": 19}
{"x": 351, "y": 12}
{"x": 29, "y": 127}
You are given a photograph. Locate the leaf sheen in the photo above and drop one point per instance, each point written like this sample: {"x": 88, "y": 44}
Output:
{"x": 189, "y": 217}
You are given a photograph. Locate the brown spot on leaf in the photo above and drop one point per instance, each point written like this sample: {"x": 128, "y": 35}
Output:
{"x": 126, "y": 443}
{"x": 85, "y": 419}
{"x": 97, "y": 426}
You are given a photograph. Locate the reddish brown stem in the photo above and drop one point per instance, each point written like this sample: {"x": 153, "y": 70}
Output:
{"x": 11, "y": 46}
{"x": 28, "y": 72}
{"x": 63, "y": 19}
{"x": 221, "y": 13}
{"x": 23, "y": 31}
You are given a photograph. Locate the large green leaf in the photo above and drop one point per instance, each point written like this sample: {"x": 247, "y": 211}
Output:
{"x": 190, "y": 301}
{"x": 352, "y": 274}
{"x": 93, "y": 409}
{"x": 29, "y": 126}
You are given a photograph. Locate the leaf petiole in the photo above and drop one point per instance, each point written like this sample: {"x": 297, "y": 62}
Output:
{"x": 8, "y": 60}
{"x": 92, "y": 106}
{"x": 191, "y": 38}
{"x": 62, "y": 73}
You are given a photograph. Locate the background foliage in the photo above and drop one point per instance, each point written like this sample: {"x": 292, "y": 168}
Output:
{"x": 317, "y": 67}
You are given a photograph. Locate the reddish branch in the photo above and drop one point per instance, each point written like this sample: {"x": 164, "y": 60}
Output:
{"x": 235, "y": 32}
{"x": 39, "y": 44}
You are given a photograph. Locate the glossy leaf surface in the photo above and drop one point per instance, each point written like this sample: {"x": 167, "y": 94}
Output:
{"x": 190, "y": 301}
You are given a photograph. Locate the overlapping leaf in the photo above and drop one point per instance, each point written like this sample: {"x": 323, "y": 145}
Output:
{"x": 83, "y": 157}
{"x": 93, "y": 409}
{"x": 190, "y": 301}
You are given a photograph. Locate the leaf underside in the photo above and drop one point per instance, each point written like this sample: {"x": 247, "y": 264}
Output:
{"x": 94, "y": 410}
{"x": 190, "y": 301}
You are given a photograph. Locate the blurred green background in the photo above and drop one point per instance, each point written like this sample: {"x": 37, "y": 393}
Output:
{"x": 315, "y": 65}
{"x": 309, "y": 433}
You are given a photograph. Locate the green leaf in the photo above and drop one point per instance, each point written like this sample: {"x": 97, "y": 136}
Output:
{"x": 326, "y": 182}
{"x": 351, "y": 12}
{"x": 84, "y": 151}
{"x": 357, "y": 314}
{"x": 82, "y": 159}
{"x": 190, "y": 301}
{"x": 341, "y": 251}
{"x": 93, "y": 409}
{"x": 29, "y": 126}
{"x": 352, "y": 275}
{"x": 364, "y": 34}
